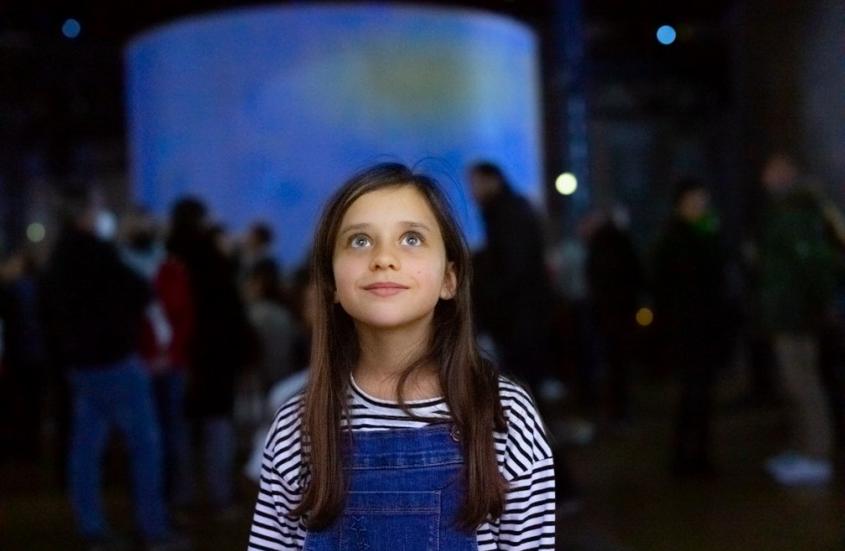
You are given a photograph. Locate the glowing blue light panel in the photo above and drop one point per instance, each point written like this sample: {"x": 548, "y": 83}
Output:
{"x": 264, "y": 112}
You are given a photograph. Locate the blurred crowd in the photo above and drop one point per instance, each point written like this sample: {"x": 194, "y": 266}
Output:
{"x": 185, "y": 338}
{"x": 171, "y": 334}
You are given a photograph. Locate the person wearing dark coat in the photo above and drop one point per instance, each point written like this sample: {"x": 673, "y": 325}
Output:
{"x": 220, "y": 345}
{"x": 615, "y": 281}
{"x": 514, "y": 298}
{"x": 93, "y": 305}
{"x": 691, "y": 307}
{"x": 513, "y": 292}
{"x": 23, "y": 365}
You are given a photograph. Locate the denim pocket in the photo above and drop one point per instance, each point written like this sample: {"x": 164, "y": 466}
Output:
{"x": 383, "y": 521}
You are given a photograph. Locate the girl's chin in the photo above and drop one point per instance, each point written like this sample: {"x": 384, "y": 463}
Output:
{"x": 388, "y": 323}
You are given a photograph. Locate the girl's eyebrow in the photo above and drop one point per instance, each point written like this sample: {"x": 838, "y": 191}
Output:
{"x": 365, "y": 225}
{"x": 353, "y": 227}
{"x": 416, "y": 225}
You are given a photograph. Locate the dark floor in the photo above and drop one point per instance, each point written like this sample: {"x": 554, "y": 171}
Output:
{"x": 630, "y": 502}
{"x": 633, "y": 503}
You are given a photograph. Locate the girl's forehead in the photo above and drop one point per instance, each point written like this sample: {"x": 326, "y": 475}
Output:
{"x": 389, "y": 206}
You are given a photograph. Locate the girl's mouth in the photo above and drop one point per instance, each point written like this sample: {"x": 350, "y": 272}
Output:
{"x": 385, "y": 288}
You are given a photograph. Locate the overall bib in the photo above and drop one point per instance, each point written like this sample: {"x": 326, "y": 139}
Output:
{"x": 406, "y": 487}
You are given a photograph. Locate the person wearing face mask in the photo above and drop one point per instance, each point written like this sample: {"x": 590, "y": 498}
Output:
{"x": 93, "y": 306}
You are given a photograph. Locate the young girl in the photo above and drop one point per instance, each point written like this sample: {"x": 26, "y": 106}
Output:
{"x": 405, "y": 438}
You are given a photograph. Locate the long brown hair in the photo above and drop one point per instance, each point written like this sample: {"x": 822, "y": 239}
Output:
{"x": 469, "y": 382}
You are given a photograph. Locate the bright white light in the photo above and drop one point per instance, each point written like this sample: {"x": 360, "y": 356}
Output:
{"x": 35, "y": 232}
{"x": 566, "y": 183}
{"x": 71, "y": 28}
{"x": 666, "y": 35}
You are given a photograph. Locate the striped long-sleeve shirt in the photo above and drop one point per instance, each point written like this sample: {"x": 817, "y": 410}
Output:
{"x": 523, "y": 453}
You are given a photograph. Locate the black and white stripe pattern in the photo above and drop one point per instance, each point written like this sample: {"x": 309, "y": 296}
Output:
{"x": 523, "y": 452}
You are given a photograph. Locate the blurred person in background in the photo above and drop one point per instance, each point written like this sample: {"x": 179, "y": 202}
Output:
{"x": 273, "y": 323}
{"x": 220, "y": 347}
{"x": 513, "y": 298}
{"x": 256, "y": 251}
{"x": 797, "y": 266}
{"x": 275, "y": 332}
{"x": 568, "y": 263}
{"x": 139, "y": 245}
{"x": 93, "y": 306}
{"x": 691, "y": 307}
{"x": 513, "y": 291}
{"x": 304, "y": 300}
{"x": 615, "y": 281}
{"x": 23, "y": 377}
{"x": 166, "y": 337}
{"x": 225, "y": 244}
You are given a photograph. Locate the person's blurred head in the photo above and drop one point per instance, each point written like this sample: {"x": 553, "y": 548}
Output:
{"x": 80, "y": 207}
{"x": 187, "y": 225}
{"x": 780, "y": 172}
{"x": 262, "y": 283}
{"x": 23, "y": 262}
{"x": 486, "y": 181}
{"x": 259, "y": 237}
{"x": 188, "y": 213}
{"x": 589, "y": 223}
{"x": 692, "y": 200}
{"x": 621, "y": 216}
{"x": 12, "y": 268}
{"x": 139, "y": 229}
{"x": 222, "y": 239}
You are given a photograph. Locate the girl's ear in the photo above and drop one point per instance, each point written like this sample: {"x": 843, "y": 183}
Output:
{"x": 450, "y": 282}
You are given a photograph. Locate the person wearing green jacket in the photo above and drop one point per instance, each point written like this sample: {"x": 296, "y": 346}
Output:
{"x": 796, "y": 265}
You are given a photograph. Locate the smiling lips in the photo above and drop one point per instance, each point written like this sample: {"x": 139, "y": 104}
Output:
{"x": 385, "y": 288}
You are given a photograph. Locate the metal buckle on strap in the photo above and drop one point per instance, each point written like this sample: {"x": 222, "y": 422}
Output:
{"x": 455, "y": 433}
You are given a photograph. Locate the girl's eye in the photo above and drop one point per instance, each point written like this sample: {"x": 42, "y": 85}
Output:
{"x": 413, "y": 239}
{"x": 359, "y": 241}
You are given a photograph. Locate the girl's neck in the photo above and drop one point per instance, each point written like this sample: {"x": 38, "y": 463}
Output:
{"x": 385, "y": 354}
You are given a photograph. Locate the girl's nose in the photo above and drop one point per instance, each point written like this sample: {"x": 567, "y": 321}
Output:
{"x": 384, "y": 259}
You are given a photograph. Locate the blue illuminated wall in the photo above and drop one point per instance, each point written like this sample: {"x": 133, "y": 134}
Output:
{"x": 263, "y": 112}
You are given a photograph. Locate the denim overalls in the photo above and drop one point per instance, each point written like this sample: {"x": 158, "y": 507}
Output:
{"x": 406, "y": 487}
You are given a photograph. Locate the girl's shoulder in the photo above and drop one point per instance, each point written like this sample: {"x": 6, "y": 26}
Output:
{"x": 516, "y": 399}
{"x": 291, "y": 409}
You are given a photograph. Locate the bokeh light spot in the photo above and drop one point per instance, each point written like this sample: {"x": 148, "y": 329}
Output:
{"x": 645, "y": 317}
{"x": 566, "y": 183}
{"x": 36, "y": 232}
{"x": 71, "y": 28}
{"x": 666, "y": 35}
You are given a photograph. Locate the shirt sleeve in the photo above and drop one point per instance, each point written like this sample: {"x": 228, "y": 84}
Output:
{"x": 528, "y": 520}
{"x": 273, "y": 525}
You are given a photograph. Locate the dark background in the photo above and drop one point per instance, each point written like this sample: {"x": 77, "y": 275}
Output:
{"x": 731, "y": 88}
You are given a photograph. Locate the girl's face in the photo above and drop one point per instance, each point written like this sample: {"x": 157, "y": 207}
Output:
{"x": 389, "y": 261}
